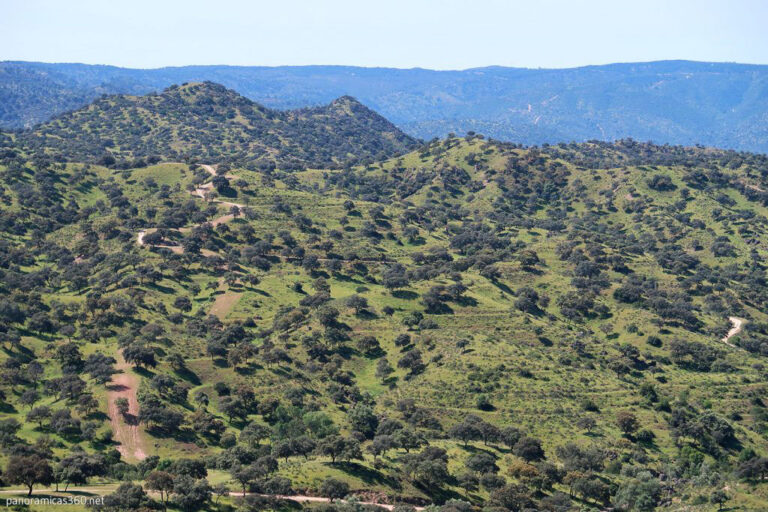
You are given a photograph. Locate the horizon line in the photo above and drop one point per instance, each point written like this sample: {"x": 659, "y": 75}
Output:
{"x": 415, "y": 68}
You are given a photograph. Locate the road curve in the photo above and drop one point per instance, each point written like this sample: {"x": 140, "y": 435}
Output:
{"x": 737, "y": 324}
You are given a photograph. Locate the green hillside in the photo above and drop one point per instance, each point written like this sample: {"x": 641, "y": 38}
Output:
{"x": 569, "y": 327}
{"x": 208, "y": 121}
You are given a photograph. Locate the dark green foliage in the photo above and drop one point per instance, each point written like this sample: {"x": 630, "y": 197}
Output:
{"x": 29, "y": 471}
{"x": 529, "y": 449}
{"x": 204, "y": 116}
{"x": 128, "y": 496}
{"x": 334, "y": 489}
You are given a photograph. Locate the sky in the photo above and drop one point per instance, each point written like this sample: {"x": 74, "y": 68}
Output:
{"x": 447, "y": 34}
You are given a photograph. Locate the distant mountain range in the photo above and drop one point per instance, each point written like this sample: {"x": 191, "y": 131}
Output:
{"x": 677, "y": 102}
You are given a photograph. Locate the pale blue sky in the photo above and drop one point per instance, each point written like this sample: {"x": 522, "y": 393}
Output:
{"x": 449, "y": 34}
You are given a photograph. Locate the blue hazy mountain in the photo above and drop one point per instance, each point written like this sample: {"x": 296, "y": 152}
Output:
{"x": 677, "y": 102}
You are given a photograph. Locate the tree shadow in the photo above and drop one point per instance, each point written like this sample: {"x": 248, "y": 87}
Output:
{"x": 188, "y": 375}
{"x": 390, "y": 381}
{"x": 501, "y": 286}
{"x": 160, "y": 288}
{"x": 466, "y": 301}
{"x": 366, "y": 474}
{"x": 375, "y": 354}
{"x": 367, "y": 314}
{"x": 405, "y": 294}
{"x": 440, "y": 309}
{"x": 244, "y": 370}
{"x": 439, "y": 495}
{"x": 283, "y": 372}
{"x": 98, "y": 415}
{"x": 144, "y": 372}
{"x": 8, "y": 408}
{"x": 130, "y": 419}
{"x": 473, "y": 449}
{"x": 346, "y": 352}
{"x": 346, "y": 278}
{"x": 180, "y": 434}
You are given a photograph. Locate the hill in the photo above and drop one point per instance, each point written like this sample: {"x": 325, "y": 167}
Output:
{"x": 207, "y": 121}
{"x": 676, "y": 102}
{"x": 571, "y": 326}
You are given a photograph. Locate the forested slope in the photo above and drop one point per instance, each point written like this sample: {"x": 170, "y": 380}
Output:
{"x": 208, "y": 121}
{"x": 524, "y": 328}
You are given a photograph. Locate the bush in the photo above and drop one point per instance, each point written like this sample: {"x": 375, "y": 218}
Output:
{"x": 334, "y": 489}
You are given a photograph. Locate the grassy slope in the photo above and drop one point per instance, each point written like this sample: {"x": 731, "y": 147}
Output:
{"x": 544, "y": 404}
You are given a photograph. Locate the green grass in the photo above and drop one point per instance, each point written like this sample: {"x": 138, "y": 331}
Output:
{"x": 523, "y": 363}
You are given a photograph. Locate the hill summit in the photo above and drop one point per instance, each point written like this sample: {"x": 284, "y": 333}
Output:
{"x": 207, "y": 120}
{"x": 675, "y": 102}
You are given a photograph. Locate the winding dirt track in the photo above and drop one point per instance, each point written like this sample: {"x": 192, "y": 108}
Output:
{"x": 126, "y": 429}
{"x": 737, "y": 323}
{"x": 225, "y": 301}
{"x": 200, "y": 192}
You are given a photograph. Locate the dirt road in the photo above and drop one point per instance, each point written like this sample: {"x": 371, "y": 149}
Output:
{"x": 200, "y": 192}
{"x": 318, "y": 499}
{"x": 98, "y": 491}
{"x": 126, "y": 430}
{"x": 736, "y": 329}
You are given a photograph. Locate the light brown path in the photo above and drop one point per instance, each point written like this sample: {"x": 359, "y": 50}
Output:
{"x": 224, "y": 303}
{"x": 211, "y": 170}
{"x": 737, "y": 323}
{"x": 126, "y": 430}
{"x": 173, "y": 248}
{"x": 319, "y": 499}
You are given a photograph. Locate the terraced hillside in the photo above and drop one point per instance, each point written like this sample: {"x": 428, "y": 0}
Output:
{"x": 472, "y": 323}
